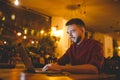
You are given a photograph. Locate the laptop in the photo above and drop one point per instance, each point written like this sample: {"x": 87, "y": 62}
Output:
{"x": 28, "y": 63}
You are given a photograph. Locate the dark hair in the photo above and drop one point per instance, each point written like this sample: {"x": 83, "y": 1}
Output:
{"x": 76, "y": 21}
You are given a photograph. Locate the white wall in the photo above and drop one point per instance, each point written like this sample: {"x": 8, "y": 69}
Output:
{"x": 63, "y": 44}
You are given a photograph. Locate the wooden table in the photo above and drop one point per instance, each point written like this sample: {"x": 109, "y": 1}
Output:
{"x": 19, "y": 74}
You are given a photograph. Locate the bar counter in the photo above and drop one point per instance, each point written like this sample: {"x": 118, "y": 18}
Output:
{"x": 19, "y": 74}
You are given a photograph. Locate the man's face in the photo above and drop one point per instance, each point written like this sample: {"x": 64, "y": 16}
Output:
{"x": 75, "y": 32}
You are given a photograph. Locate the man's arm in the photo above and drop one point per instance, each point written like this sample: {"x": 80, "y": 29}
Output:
{"x": 85, "y": 68}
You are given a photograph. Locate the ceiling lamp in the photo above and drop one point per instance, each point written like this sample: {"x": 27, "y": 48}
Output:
{"x": 16, "y": 2}
{"x": 77, "y": 8}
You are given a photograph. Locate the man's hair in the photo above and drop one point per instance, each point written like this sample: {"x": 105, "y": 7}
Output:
{"x": 76, "y": 21}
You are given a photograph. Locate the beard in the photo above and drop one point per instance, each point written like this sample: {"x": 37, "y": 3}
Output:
{"x": 76, "y": 39}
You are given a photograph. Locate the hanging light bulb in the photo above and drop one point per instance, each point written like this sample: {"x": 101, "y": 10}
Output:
{"x": 13, "y": 16}
{"x": 32, "y": 42}
{"x": 16, "y": 2}
{"x": 3, "y": 18}
{"x": 42, "y": 31}
{"x": 5, "y": 42}
{"x": 19, "y": 34}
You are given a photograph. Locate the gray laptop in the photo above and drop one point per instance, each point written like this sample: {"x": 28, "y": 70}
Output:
{"x": 28, "y": 63}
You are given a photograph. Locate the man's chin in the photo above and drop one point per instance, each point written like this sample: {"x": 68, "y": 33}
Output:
{"x": 74, "y": 41}
{"x": 77, "y": 41}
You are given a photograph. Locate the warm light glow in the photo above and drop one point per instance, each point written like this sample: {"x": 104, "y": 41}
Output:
{"x": 33, "y": 42}
{"x": 37, "y": 42}
{"x": 53, "y": 29}
{"x": 119, "y": 53}
{"x": 42, "y": 31}
{"x": 19, "y": 33}
{"x": 119, "y": 48}
{"x": 32, "y": 32}
{"x": 47, "y": 56}
{"x": 3, "y": 18}
{"x": 24, "y": 37}
{"x": 25, "y": 31}
{"x": 13, "y": 16}
{"x": 60, "y": 78}
{"x": 5, "y": 42}
{"x": 45, "y": 34}
{"x": 57, "y": 33}
{"x": 16, "y": 2}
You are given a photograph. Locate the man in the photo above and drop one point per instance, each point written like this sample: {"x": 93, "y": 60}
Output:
{"x": 84, "y": 56}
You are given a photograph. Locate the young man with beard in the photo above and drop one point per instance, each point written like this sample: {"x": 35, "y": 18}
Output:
{"x": 84, "y": 56}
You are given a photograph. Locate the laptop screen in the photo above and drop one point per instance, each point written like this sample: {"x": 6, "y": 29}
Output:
{"x": 24, "y": 56}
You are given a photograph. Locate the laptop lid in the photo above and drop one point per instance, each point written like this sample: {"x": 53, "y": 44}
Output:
{"x": 25, "y": 58}
{"x": 28, "y": 63}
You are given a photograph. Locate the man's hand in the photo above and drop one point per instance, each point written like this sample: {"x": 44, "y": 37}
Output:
{"x": 53, "y": 67}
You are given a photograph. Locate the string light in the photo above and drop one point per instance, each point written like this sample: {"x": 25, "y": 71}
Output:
{"x": 13, "y": 17}
{"x": 25, "y": 31}
{"x": 5, "y": 42}
{"x": 24, "y": 37}
{"x": 119, "y": 47}
{"x": 37, "y": 42}
{"x": 32, "y": 32}
{"x": 42, "y": 31}
{"x": 33, "y": 42}
{"x": 3, "y": 18}
{"x": 19, "y": 33}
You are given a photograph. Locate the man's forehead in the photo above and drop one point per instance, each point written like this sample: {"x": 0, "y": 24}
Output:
{"x": 70, "y": 27}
